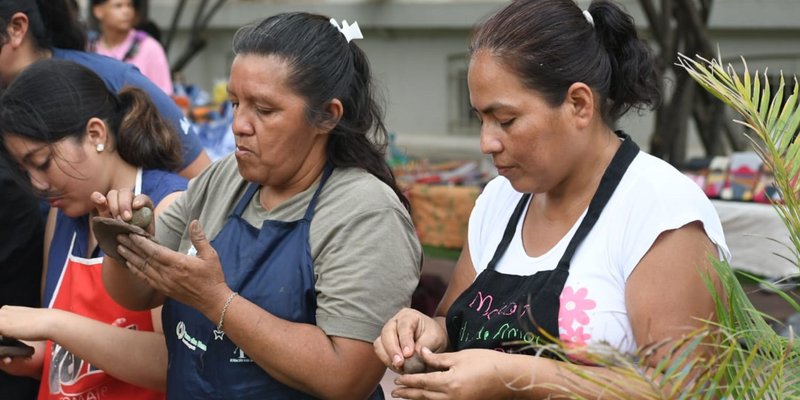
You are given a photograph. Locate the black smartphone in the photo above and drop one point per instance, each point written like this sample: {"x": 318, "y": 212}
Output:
{"x": 10, "y": 347}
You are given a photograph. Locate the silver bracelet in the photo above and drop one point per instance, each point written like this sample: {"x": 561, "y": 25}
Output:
{"x": 219, "y": 333}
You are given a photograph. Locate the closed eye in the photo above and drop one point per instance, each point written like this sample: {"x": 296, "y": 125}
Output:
{"x": 507, "y": 123}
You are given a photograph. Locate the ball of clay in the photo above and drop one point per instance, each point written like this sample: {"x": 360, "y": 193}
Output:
{"x": 142, "y": 217}
{"x": 414, "y": 364}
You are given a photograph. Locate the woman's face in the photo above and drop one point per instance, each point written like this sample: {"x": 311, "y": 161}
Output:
{"x": 64, "y": 173}
{"x": 528, "y": 139}
{"x": 275, "y": 145}
{"x": 116, "y": 14}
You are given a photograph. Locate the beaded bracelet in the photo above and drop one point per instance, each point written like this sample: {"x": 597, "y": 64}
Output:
{"x": 219, "y": 333}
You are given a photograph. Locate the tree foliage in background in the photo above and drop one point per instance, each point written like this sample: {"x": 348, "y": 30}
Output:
{"x": 681, "y": 26}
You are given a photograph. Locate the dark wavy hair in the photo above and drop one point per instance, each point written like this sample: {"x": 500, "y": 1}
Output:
{"x": 52, "y": 100}
{"x": 550, "y": 45}
{"x": 51, "y": 23}
{"x": 324, "y": 66}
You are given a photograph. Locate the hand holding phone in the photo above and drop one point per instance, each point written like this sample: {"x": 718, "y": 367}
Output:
{"x": 10, "y": 347}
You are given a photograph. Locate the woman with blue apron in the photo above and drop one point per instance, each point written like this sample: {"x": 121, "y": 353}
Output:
{"x": 271, "y": 267}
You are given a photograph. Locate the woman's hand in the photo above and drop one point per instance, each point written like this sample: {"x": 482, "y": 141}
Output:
{"x": 197, "y": 281}
{"x": 466, "y": 374}
{"x": 120, "y": 204}
{"x": 406, "y": 333}
{"x": 28, "y": 324}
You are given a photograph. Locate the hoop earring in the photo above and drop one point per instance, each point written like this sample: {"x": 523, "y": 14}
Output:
{"x": 100, "y": 147}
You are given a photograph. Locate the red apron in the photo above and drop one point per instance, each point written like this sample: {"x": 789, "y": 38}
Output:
{"x": 65, "y": 376}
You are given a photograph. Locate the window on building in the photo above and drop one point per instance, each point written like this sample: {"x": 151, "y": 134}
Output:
{"x": 461, "y": 119}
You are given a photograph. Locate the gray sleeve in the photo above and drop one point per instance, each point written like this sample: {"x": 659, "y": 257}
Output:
{"x": 171, "y": 224}
{"x": 366, "y": 272}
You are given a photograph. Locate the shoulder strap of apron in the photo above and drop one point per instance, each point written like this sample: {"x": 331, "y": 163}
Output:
{"x": 313, "y": 203}
{"x": 511, "y": 227}
{"x": 253, "y": 187}
{"x": 608, "y": 183}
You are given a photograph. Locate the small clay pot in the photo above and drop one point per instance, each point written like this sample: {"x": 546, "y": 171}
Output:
{"x": 107, "y": 229}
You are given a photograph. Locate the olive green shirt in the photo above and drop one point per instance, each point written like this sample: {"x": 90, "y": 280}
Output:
{"x": 363, "y": 244}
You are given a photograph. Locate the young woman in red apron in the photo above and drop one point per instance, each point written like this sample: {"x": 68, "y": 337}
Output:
{"x": 72, "y": 137}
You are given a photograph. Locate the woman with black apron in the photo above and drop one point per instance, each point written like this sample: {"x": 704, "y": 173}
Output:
{"x": 306, "y": 229}
{"x": 583, "y": 242}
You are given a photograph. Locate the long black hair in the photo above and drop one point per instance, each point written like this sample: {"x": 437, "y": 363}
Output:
{"x": 54, "y": 99}
{"x": 551, "y": 44}
{"x": 324, "y": 66}
{"x": 51, "y": 23}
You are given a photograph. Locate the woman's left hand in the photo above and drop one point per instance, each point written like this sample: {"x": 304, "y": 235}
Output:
{"x": 197, "y": 281}
{"x": 466, "y": 374}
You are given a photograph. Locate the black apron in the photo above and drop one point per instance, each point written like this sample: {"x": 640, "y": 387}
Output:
{"x": 513, "y": 313}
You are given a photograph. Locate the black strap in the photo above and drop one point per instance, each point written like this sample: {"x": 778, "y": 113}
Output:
{"x": 608, "y": 183}
{"x": 511, "y": 227}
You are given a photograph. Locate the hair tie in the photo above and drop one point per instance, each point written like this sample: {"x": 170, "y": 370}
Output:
{"x": 588, "y": 16}
{"x": 350, "y": 32}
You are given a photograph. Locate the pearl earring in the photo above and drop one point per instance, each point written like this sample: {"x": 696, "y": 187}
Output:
{"x": 100, "y": 147}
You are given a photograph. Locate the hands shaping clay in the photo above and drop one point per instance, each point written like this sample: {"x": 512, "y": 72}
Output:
{"x": 107, "y": 229}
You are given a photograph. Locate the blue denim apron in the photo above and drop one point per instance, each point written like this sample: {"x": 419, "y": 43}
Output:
{"x": 271, "y": 267}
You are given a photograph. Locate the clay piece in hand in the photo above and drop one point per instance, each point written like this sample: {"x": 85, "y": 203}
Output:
{"x": 107, "y": 229}
{"x": 10, "y": 347}
{"x": 414, "y": 365}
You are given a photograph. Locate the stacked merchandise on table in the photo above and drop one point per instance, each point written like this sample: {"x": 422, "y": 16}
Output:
{"x": 211, "y": 117}
{"x": 742, "y": 176}
{"x": 442, "y": 195}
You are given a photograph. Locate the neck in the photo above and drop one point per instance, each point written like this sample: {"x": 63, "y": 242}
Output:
{"x": 113, "y": 37}
{"x": 26, "y": 55}
{"x": 570, "y": 198}
{"x": 272, "y": 196}
{"x": 123, "y": 175}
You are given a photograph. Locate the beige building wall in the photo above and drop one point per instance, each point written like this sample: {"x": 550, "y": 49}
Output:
{"x": 417, "y": 47}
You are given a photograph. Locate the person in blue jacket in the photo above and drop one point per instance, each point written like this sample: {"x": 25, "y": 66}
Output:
{"x": 31, "y": 30}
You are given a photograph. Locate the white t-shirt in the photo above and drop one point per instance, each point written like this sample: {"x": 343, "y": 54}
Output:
{"x": 652, "y": 197}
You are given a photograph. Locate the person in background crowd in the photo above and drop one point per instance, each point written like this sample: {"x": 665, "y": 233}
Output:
{"x": 311, "y": 245}
{"x": 31, "y": 30}
{"x": 118, "y": 38}
{"x": 582, "y": 238}
{"x": 71, "y": 137}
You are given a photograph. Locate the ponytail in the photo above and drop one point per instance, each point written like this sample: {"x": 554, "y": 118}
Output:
{"x": 144, "y": 138}
{"x": 360, "y": 138}
{"x": 635, "y": 81}
{"x": 551, "y": 44}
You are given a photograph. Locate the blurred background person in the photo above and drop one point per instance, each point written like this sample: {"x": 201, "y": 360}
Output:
{"x": 117, "y": 37}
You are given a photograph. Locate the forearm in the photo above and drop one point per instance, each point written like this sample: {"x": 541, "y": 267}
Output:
{"x": 133, "y": 356}
{"x": 538, "y": 378}
{"x": 299, "y": 355}
{"x": 127, "y": 289}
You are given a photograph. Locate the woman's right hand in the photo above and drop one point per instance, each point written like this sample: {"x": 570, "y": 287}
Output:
{"x": 120, "y": 204}
{"x": 406, "y": 334}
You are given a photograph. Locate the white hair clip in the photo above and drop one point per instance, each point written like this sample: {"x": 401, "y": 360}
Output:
{"x": 588, "y": 17}
{"x": 350, "y": 32}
